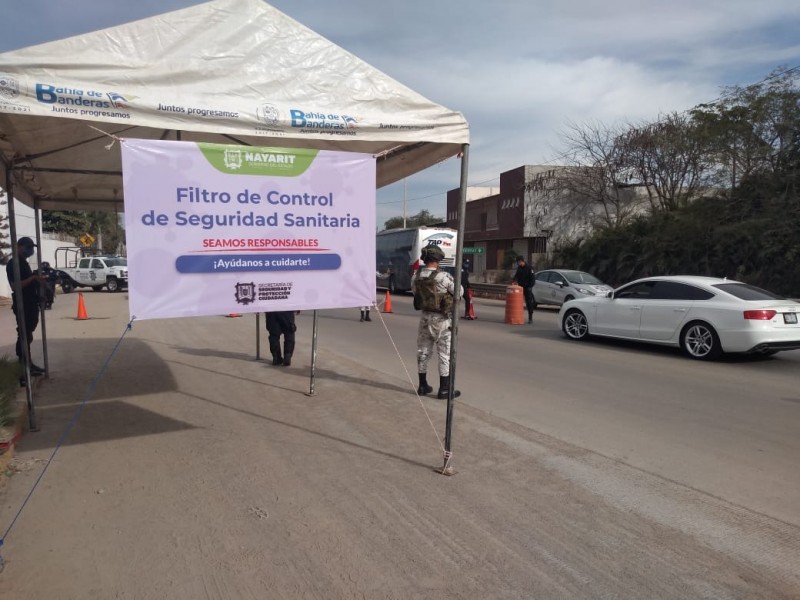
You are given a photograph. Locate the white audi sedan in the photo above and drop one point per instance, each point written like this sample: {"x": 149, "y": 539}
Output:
{"x": 705, "y": 316}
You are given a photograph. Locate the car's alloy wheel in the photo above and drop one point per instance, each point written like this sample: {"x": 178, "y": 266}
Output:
{"x": 575, "y": 325}
{"x": 112, "y": 284}
{"x": 700, "y": 341}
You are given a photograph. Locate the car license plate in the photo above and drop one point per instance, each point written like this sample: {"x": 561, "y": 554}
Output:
{"x": 790, "y": 318}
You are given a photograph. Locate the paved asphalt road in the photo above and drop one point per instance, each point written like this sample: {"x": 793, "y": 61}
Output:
{"x": 607, "y": 471}
{"x": 730, "y": 429}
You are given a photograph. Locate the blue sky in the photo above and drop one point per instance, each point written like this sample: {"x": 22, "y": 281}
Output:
{"x": 520, "y": 71}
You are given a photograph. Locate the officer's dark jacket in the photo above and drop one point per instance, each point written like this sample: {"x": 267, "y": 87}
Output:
{"x": 524, "y": 276}
{"x": 30, "y": 294}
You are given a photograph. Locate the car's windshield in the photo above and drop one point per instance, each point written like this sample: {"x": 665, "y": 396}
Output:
{"x": 117, "y": 262}
{"x": 744, "y": 291}
{"x": 581, "y": 277}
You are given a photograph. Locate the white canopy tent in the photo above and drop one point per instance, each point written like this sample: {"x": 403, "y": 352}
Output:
{"x": 227, "y": 71}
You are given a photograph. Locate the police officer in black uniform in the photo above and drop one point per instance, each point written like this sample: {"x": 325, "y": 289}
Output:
{"x": 28, "y": 304}
{"x": 526, "y": 278}
{"x": 281, "y": 323}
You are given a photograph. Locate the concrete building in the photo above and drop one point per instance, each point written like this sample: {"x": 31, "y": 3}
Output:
{"x": 528, "y": 215}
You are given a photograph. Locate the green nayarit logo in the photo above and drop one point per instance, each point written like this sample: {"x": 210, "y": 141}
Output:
{"x": 256, "y": 160}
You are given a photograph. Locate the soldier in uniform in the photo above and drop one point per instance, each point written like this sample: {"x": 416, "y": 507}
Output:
{"x": 433, "y": 295}
{"x": 281, "y": 323}
{"x": 365, "y": 313}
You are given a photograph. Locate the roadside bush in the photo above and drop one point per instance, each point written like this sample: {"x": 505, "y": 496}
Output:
{"x": 750, "y": 236}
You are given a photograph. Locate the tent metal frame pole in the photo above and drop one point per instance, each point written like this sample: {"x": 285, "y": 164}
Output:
{"x": 314, "y": 329}
{"x": 19, "y": 308}
{"x": 258, "y": 336}
{"x": 447, "y": 468}
{"x": 42, "y": 319}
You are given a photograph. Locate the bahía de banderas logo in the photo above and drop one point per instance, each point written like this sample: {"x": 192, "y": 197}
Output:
{"x": 232, "y": 158}
{"x": 245, "y": 293}
{"x": 117, "y": 100}
{"x": 9, "y": 87}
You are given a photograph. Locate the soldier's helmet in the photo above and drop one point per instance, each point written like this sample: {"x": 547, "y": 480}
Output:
{"x": 432, "y": 254}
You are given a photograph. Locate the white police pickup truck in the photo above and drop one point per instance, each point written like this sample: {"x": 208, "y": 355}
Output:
{"x": 96, "y": 272}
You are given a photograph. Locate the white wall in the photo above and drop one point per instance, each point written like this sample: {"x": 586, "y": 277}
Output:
{"x": 26, "y": 226}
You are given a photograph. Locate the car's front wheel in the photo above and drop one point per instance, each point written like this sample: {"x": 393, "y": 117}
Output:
{"x": 700, "y": 341}
{"x": 112, "y": 284}
{"x": 575, "y": 325}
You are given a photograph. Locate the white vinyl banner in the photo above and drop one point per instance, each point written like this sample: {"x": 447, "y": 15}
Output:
{"x": 217, "y": 229}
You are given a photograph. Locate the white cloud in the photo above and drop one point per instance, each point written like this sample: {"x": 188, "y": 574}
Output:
{"x": 518, "y": 70}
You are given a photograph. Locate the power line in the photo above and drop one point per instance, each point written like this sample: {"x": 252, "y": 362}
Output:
{"x": 437, "y": 193}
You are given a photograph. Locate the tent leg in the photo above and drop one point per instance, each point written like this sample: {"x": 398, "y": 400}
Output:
{"x": 447, "y": 467}
{"x": 258, "y": 336}
{"x": 311, "y": 389}
{"x": 20, "y": 310}
{"x": 42, "y": 318}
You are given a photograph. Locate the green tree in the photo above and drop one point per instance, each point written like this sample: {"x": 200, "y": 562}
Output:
{"x": 754, "y": 128}
{"x": 421, "y": 219}
{"x": 104, "y": 226}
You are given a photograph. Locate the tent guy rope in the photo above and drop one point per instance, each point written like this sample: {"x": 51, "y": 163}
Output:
{"x": 113, "y": 137}
{"x": 89, "y": 393}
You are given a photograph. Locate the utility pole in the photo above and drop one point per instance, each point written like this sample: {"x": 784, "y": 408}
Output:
{"x": 404, "y": 202}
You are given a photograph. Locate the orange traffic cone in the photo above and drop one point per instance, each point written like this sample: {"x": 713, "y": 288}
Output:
{"x": 82, "y": 316}
{"x": 387, "y": 304}
{"x": 471, "y": 305}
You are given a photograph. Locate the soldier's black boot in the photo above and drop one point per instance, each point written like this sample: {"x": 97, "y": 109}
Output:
{"x": 367, "y": 317}
{"x": 288, "y": 350}
{"x": 362, "y": 316}
{"x": 424, "y": 388}
{"x": 444, "y": 388}
{"x": 277, "y": 359}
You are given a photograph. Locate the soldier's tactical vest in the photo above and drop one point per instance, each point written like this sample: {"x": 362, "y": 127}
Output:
{"x": 428, "y": 298}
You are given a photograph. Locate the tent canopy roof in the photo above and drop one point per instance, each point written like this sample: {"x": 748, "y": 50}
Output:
{"x": 227, "y": 71}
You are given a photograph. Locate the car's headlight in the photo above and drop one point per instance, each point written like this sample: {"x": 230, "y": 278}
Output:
{"x": 585, "y": 291}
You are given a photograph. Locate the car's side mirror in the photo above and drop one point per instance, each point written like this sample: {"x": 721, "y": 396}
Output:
{"x": 561, "y": 284}
{"x": 610, "y": 295}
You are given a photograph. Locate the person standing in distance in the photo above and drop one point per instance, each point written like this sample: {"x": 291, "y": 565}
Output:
{"x": 29, "y": 303}
{"x": 434, "y": 291}
{"x": 467, "y": 288}
{"x": 525, "y": 279}
{"x": 365, "y": 314}
{"x": 49, "y": 287}
{"x": 279, "y": 324}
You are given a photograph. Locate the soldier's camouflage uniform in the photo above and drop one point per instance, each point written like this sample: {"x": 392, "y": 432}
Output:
{"x": 435, "y": 328}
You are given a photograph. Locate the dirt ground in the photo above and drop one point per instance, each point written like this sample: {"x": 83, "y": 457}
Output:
{"x": 195, "y": 471}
